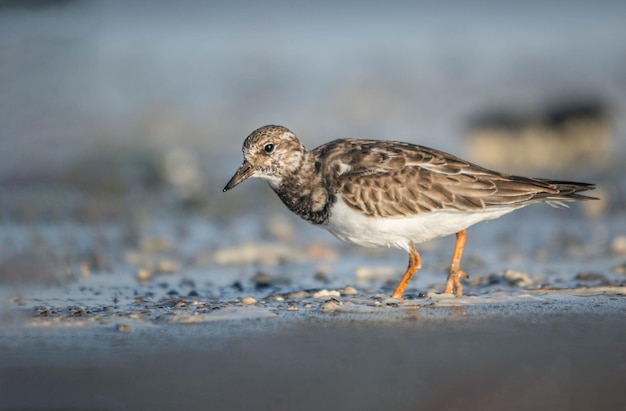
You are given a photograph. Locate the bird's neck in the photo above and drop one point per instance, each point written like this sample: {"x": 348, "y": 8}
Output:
{"x": 304, "y": 192}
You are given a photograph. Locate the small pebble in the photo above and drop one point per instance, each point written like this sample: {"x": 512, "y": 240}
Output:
{"x": 349, "y": 290}
{"x": 248, "y": 300}
{"x": 292, "y": 308}
{"x": 391, "y": 302}
{"x": 326, "y": 293}
{"x": 123, "y": 328}
{"x": 41, "y": 312}
{"x": 330, "y": 306}
{"x": 517, "y": 278}
{"x": 299, "y": 295}
{"x": 143, "y": 275}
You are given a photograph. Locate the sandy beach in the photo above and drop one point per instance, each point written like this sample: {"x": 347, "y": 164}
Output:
{"x": 129, "y": 281}
{"x": 529, "y": 355}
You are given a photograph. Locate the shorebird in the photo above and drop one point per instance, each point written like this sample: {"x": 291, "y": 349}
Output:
{"x": 377, "y": 193}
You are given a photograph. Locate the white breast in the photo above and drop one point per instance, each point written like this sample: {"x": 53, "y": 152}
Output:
{"x": 353, "y": 227}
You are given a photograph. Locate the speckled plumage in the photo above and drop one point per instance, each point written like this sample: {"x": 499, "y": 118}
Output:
{"x": 388, "y": 193}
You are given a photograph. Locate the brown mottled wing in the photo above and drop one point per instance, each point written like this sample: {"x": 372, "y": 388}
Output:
{"x": 398, "y": 179}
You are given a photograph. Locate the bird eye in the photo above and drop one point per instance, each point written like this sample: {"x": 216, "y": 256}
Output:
{"x": 269, "y": 148}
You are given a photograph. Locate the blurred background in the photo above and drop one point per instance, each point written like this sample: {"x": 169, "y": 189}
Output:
{"x": 121, "y": 122}
{"x": 112, "y": 95}
{"x": 115, "y": 111}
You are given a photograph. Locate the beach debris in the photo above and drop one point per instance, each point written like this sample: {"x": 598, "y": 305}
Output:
{"x": 42, "y": 311}
{"x": 330, "y": 306}
{"x": 349, "y": 290}
{"x": 511, "y": 277}
{"x": 248, "y": 300}
{"x": 151, "y": 264}
{"x": 325, "y": 294}
{"x": 298, "y": 295}
{"x": 517, "y": 278}
{"x": 143, "y": 275}
{"x": 391, "y": 302}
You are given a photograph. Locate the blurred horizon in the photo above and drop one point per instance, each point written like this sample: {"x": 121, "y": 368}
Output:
{"x": 85, "y": 77}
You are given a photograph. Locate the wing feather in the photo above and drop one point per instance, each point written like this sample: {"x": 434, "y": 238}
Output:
{"x": 387, "y": 178}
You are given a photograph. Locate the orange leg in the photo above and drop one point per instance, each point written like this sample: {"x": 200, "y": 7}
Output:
{"x": 453, "y": 285}
{"x": 415, "y": 262}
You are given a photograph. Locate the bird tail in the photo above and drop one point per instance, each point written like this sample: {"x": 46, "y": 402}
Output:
{"x": 567, "y": 191}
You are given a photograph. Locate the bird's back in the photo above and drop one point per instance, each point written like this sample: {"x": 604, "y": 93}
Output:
{"x": 390, "y": 178}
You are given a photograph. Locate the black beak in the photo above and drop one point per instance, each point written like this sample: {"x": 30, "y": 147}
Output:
{"x": 240, "y": 176}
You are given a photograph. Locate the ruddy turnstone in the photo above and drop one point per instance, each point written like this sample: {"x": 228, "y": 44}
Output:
{"x": 391, "y": 194}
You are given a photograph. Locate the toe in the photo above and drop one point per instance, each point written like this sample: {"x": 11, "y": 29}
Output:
{"x": 458, "y": 288}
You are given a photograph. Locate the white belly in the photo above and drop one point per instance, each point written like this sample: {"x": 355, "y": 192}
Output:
{"x": 353, "y": 227}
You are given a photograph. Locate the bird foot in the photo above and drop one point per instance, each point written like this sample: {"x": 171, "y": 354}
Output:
{"x": 453, "y": 284}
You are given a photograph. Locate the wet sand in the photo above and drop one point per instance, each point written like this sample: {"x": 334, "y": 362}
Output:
{"x": 180, "y": 313}
{"x": 527, "y": 355}
{"x": 166, "y": 321}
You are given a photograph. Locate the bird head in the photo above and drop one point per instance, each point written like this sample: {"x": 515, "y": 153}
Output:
{"x": 270, "y": 153}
